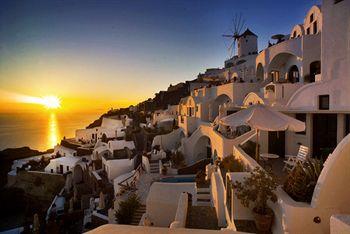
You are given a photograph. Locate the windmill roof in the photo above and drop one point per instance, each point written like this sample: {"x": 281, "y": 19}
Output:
{"x": 248, "y": 33}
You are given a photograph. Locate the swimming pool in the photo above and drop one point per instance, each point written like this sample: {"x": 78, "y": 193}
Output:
{"x": 178, "y": 179}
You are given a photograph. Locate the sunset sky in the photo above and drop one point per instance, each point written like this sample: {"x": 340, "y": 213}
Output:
{"x": 103, "y": 54}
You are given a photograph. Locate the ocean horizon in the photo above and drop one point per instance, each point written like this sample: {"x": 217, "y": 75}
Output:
{"x": 41, "y": 131}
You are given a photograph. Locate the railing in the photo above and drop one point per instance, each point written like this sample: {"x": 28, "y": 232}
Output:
{"x": 130, "y": 185}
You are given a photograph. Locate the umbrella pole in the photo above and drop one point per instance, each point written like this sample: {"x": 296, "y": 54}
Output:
{"x": 257, "y": 146}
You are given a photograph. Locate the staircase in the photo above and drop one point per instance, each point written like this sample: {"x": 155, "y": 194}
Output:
{"x": 203, "y": 197}
{"x": 154, "y": 166}
{"x": 138, "y": 215}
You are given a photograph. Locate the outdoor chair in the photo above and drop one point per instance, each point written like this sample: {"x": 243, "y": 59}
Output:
{"x": 292, "y": 161}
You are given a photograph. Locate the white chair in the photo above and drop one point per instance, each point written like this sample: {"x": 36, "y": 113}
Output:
{"x": 292, "y": 161}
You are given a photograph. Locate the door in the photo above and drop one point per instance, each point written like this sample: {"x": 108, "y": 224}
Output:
{"x": 324, "y": 135}
{"x": 61, "y": 169}
{"x": 277, "y": 143}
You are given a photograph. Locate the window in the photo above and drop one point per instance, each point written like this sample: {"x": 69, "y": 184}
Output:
{"x": 51, "y": 170}
{"x": 323, "y": 102}
{"x": 347, "y": 124}
{"x": 315, "y": 27}
{"x": 302, "y": 118}
{"x": 307, "y": 31}
{"x": 67, "y": 168}
{"x": 311, "y": 18}
{"x": 294, "y": 34}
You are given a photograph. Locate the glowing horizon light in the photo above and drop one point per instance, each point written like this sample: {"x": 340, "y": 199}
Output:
{"x": 51, "y": 102}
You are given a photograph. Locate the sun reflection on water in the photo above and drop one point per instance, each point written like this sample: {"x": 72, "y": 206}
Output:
{"x": 53, "y": 131}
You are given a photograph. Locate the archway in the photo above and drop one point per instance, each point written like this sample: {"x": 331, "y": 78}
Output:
{"x": 202, "y": 149}
{"x": 293, "y": 74}
{"x": 315, "y": 69}
{"x": 280, "y": 66}
{"x": 260, "y": 72}
{"x": 220, "y": 100}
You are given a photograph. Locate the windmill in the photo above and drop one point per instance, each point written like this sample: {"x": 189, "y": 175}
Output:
{"x": 236, "y": 30}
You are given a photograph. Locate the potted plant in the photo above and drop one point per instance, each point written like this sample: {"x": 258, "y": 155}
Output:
{"x": 258, "y": 189}
{"x": 301, "y": 181}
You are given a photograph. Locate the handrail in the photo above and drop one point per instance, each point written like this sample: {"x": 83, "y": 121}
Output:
{"x": 138, "y": 170}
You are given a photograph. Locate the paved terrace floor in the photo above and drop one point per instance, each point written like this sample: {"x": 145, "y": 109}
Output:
{"x": 277, "y": 168}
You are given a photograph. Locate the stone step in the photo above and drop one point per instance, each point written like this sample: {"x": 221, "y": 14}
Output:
{"x": 140, "y": 212}
{"x": 201, "y": 203}
{"x": 205, "y": 192}
{"x": 204, "y": 199}
{"x": 138, "y": 215}
{"x": 202, "y": 190}
{"x": 203, "y": 196}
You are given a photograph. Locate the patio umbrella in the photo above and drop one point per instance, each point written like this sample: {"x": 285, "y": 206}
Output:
{"x": 263, "y": 118}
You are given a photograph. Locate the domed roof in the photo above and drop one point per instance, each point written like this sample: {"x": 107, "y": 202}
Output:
{"x": 248, "y": 33}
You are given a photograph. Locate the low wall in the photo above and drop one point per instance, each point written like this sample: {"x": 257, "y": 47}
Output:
{"x": 162, "y": 201}
{"x": 146, "y": 165}
{"x": 340, "y": 224}
{"x": 181, "y": 212}
{"x": 248, "y": 161}
{"x": 218, "y": 195}
{"x": 239, "y": 212}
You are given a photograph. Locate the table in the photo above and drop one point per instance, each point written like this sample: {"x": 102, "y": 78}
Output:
{"x": 266, "y": 156}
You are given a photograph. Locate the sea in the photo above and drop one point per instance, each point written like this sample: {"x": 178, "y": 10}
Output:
{"x": 41, "y": 131}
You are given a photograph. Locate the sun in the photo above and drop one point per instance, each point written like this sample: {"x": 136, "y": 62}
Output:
{"x": 51, "y": 102}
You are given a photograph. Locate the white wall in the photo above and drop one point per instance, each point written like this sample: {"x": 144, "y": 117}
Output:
{"x": 117, "y": 167}
{"x": 170, "y": 141}
{"x": 218, "y": 196}
{"x": 162, "y": 201}
{"x": 181, "y": 212}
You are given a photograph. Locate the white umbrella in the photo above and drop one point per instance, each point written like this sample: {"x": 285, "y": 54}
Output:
{"x": 263, "y": 118}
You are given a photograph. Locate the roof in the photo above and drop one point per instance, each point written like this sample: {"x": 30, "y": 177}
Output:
{"x": 67, "y": 161}
{"x": 248, "y": 33}
{"x": 120, "y": 144}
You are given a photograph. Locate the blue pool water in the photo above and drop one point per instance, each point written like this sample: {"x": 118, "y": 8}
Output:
{"x": 178, "y": 179}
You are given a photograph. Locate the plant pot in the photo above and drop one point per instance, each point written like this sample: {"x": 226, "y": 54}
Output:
{"x": 263, "y": 222}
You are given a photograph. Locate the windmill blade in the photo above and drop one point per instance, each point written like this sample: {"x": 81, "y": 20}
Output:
{"x": 228, "y": 35}
{"x": 232, "y": 48}
{"x": 236, "y": 28}
{"x": 233, "y": 43}
{"x": 241, "y": 27}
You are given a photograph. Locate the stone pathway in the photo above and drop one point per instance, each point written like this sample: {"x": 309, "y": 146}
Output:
{"x": 202, "y": 217}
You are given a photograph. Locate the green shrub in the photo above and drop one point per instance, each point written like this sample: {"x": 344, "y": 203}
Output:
{"x": 127, "y": 209}
{"x": 231, "y": 164}
{"x": 177, "y": 160}
{"x": 257, "y": 189}
{"x": 200, "y": 177}
{"x": 301, "y": 181}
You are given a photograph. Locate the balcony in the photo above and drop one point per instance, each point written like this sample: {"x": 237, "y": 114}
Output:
{"x": 280, "y": 93}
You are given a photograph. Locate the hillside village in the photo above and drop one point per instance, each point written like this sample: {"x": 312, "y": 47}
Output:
{"x": 260, "y": 145}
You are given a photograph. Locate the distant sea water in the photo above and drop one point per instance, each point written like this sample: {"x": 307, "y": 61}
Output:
{"x": 40, "y": 131}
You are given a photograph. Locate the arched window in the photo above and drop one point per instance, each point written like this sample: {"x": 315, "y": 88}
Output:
{"x": 293, "y": 74}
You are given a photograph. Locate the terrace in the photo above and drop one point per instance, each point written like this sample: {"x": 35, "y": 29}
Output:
{"x": 125, "y": 153}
